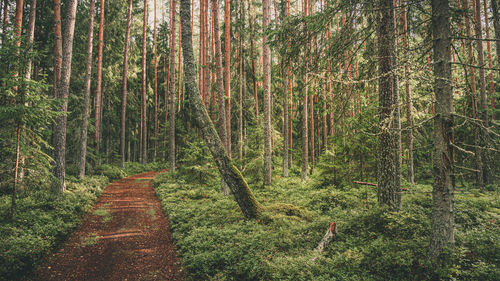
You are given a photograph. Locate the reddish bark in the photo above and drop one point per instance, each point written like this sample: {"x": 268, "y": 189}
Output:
{"x": 227, "y": 71}
{"x": 99, "y": 77}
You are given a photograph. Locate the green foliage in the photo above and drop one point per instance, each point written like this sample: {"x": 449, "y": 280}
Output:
{"x": 114, "y": 173}
{"x": 197, "y": 165}
{"x": 24, "y": 108}
{"x": 215, "y": 243}
{"x": 42, "y": 221}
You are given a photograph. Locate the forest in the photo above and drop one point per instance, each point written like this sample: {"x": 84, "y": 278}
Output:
{"x": 249, "y": 140}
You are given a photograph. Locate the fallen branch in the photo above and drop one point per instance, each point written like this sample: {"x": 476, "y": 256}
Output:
{"x": 331, "y": 233}
{"x": 365, "y": 183}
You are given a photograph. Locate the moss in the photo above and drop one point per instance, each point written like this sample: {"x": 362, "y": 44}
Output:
{"x": 289, "y": 210}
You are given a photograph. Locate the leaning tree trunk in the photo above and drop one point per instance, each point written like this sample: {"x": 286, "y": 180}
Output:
{"x": 124, "y": 83}
{"x": 62, "y": 93}
{"x": 86, "y": 97}
{"x": 388, "y": 184}
{"x": 244, "y": 197}
{"x": 442, "y": 193}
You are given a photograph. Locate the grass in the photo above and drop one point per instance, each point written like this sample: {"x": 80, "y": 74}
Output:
{"x": 90, "y": 240}
{"x": 216, "y": 243}
{"x": 151, "y": 213}
{"x": 104, "y": 213}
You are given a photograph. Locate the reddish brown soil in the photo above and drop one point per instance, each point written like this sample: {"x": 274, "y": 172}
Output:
{"x": 125, "y": 237}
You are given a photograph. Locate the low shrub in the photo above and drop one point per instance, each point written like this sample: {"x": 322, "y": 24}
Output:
{"x": 42, "y": 221}
{"x": 216, "y": 243}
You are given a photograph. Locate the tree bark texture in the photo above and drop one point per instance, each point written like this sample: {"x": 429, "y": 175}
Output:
{"x": 31, "y": 36}
{"x": 442, "y": 194}
{"x": 62, "y": 93}
{"x": 266, "y": 58}
{"x": 227, "y": 71}
{"x": 57, "y": 44}
{"x": 244, "y": 197}
{"x": 86, "y": 95}
{"x": 144, "y": 130}
{"x": 171, "y": 117}
{"x": 409, "y": 117}
{"x": 124, "y": 83}
{"x": 305, "y": 143}
{"x": 155, "y": 143}
{"x": 220, "y": 85}
{"x": 483, "y": 109}
{"x": 496, "y": 25}
{"x": 99, "y": 79}
{"x": 388, "y": 185}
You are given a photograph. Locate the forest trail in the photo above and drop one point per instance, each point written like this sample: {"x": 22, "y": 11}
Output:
{"x": 125, "y": 237}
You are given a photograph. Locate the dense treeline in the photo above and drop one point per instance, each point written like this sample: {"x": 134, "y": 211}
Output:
{"x": 390, "y": 93}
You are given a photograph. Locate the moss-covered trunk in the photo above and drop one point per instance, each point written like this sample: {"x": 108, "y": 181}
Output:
{"x": 231, "y": 175}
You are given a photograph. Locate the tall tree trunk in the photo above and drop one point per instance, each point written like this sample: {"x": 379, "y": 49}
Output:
{"x": 144, "y": 129}
{"x": 62, "y": 93}
{"x": 31, "y": 36}
{"x": 244, "y": 197}
{"x": 99, "y": 79}
{"x": 242, "y": 81}
{"x": 286, "y": 81}
{"x": 483, "y": 110}
{"x": 27, "y": 75}
{"x": 124, "y": 83}
{"x": 490, "y": 61}
{"x": 252, "y": 55}
{"x": 206, "y": 69}
{"x": 57, "y": 44}
{"x": 171, "y": 150}
{"x": 409, "y": 117}
{"x": 479, "y": 160}
{"x": 86, "y": 97}
{"x": 305, "y": 113}
{"x": 227, "y": 71}
{"x": 18, "y": 22}
{"x": 220, "y": 86}
{"x": 388, "y": 191}
{"x": 397, "y": 98}
{"x": 201, "y": 62}
{"x": 155, "y": 143}
{"x": 305, "y": 142}
{"x": 266, "y": 58}
{"x": 16, "y": 167}
{"x": 496, "y": 24}
{"x": 442, "y": 194}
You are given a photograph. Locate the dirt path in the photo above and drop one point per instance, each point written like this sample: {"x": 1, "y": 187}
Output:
{"x": 125, "y": 237}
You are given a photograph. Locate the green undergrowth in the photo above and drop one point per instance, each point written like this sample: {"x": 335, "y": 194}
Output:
{"x": 43, "y": 220}
{"x": 216, "y": 243}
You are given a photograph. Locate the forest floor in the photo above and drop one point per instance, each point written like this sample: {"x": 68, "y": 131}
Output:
{"x": 125, "y": 237}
